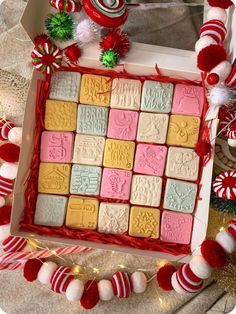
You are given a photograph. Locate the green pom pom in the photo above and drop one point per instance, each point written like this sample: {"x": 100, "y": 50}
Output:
{"x": 109, "y": 58}
{"x": 60, "y": 26}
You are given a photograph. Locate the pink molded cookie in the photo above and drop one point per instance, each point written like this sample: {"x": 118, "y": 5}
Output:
{"x": 150, "y": 159}
{"x": 188, "y": 100}
{"x": 116, "y": 184}
{"x": 56, "y": 146}
{"x": 176, "y": 227}
{"x": 122, "y": 124}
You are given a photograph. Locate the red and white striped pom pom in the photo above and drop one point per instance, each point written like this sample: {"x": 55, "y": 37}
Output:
{"x": 224, "y": 185}
{"x": 232, "y": 227}
{"x": 231, "y": 79}
{"x": 6, "y": 186}
{"x": 187, "y": 280}
{"x": 121, "y": 284}
{"x": 13, "y": 244}
{"x": 5, "y": 127}
{"x": 68, "y": 5}
{"x": 61, "y": 279}
{"x": 215, "y": 29}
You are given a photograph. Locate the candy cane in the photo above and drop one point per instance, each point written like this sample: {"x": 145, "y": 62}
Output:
{"x": 12, "y": 266}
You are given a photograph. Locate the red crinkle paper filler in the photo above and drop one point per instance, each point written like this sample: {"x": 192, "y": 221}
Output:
{"x": 164, "y": 277}
{"x": 116, "y": 40}
{"x": 9, "y": 152}
{"x": 5, "y": 215}
{"x": 224, "y": 4}
{"x": 90, "y": 297}
{"x": 210, "y": 57}
{"x": 213, "y": 253}
{"x": 31, "y": 269}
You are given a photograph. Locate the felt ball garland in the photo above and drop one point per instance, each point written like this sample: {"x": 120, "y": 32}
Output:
{"x": 5, "y": 127}
{"x": 164, "y": 275}
{"x": 61, "y": 279}
{"x": 31, "y": 269}
{"x": 121, "y": 284}
{"x": 90, "y": 297}
{"x": 9, "y": 152}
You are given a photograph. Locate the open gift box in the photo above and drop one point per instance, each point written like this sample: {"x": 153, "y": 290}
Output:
{"x": 179, "y": 66}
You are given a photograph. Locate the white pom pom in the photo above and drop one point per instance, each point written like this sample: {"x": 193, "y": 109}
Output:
{"x": 105, "y": 290}
{"x": 176, "y": 285}
{"x": 227, "y": 241}
{"x": 139, "y": 282}
{"x": 204, "y": 42}
{"x": 8, "y": 170}
{"x": 15, "y": 135}
{"x": 219, "y": 96}
{"x": 223, "y": 69}
{"x": 4, "y": 232}
{"x": 216, "y": 13}
{"x": 46, "y": 271}
{"x": 232, "y": 142}
{"x": 200, "y": 267}
{"x": 75, "y": 290}
{"x": 2, "y": 201}
{"x": 85, "y": 32}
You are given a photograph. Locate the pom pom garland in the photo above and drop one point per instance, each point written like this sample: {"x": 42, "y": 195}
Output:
{"x": 232, "y": 227}
{"x": 5, "y": 215}
{"x": 105, "y": 290}
{"x": 13, "y": 244}
{"x": 6, "y": 186}
{"x": 187, "y": 280}
{"x": 59, "y": 26}
{"x": 224, "y": 4}
{"x": 8, "y": 170}
{"x": 200, "y": 267}
{"x": 213, "y": 253}
{"x": 15, "y": 135}
{"x": 202, "y": 148}
{"x": 210, "y": 56}
{"x": 219, "y": 96}
{"x": 75, "y": 290}
{"x": 116, "y": 40}
{"x": 227, "y": 241}
{"x": 5, "y": 127}
{"x": 224, "y": 185}
{"x": 9, "y": 152}
{"x": 66, "y": 5}
{"x": 216, "y": 13}
{"x": 61, "y": 279}
{"x": 86, "y": 31}
{"x": 72, "y": 53}
{"x": 109, "y": 58}
{"x": 215, "y": 29}
{"x": 139, "y": 282}
{"x": 176, "y": 286}
{"x": 31, "y": 269}
{"x": 203, "y": 42}
{"x": 90, "y": 297}
{"x": 46, "y": 271}
{"x": 164, "y": 276}
{"x": 121, "y": 284}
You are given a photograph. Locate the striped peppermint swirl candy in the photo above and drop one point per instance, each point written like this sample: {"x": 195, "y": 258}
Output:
{"x": 232, "y": 227}
{"x": 46, "y": 58}
{"x": 5, "y": 127}
{"x": 107, "y": 13}
{"x": 228, "y": 123}
{"x": 187, "y": 280}
{"x": 121, "y": 284}
{"x": 215, "y": 29}
{"x": 231, "y": 79}
{"x": 225, "y": 185}
{"x": 6, "y": 186}
{"x": 68, "y": 5}
{"x": 13, "y": 244}
{"x": 61, "y": 279}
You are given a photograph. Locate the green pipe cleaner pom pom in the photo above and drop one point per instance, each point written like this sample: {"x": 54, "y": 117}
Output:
{"x": 60, "y": 26}
{"x": 109, "y": 58}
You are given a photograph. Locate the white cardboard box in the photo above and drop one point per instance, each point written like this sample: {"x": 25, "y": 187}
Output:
{"x": 171, "y": 62}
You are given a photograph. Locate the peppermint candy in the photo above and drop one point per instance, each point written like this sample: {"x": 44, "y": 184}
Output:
{"x": 215, "y": 29}
{"x": 65, "y": 5}
{"x": 6, "y": 186}
{"x": 5, "y": 127}
{"x": 107, "y": 13}
{"x": 121, "y": 284}
{"x": 225, "y": 185}
{"x": 232, "y": 227}
{"x": 61, "y": 279}
{"x": 46, "y": 58}
{"x": 226, "y": 122}
{"x": 187, "y": 280}
{"x": 13, "y": 244}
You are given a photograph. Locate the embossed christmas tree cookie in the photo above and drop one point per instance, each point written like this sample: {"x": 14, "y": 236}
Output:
{"x": 82, "y": 213}
{"x": 144, "y": 222}
{"x": 183, "y": 130}
{"x": 95, "y": 90}
{"x": 113, "y": 218}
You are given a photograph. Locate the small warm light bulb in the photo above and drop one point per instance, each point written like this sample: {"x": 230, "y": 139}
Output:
{"x": 161, "y": 263}
{"x": 122, "y": 266}
{"x": 32, "y": 243}
{"x": 222, "y": 229}
{"x": 96, "y": 270}
{"x": 75, "y": 269}
{"x": 161, "y": 301}
{"x": 54, "y": 252}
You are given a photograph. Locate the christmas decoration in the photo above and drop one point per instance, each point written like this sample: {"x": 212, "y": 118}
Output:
{"x": 231, "y": 79}
{"x": 232, "y": 142}
{"x": 8, "y": 170}
{"x": 6, "y": 186}
{"x": 5, "y": 215}
{"x": 222, "y": 70}
{"x": 215, "y": 29}
{"x": 9, "y": 152}
{"x": 121, "y": 284}
{"x": 31, "y": 269}
{"x": 200, "y": 267}
{"x": 227, "y": 241}
{"x": 46, "y": 271}
{"x": 15, "y": 135}
{"x": 213, "y": 78}
{"x": 13, "y": 244}
{"x": 202, "y": 148}
{"x": 232, "y": 227}
{"x": 5, "y": 127}
{"x": 210, "y": 56}
{"x": 109, "y": 58}
{"x": 203, "y": 42}
{"x": 164, "y": 275}
{"x": 216, "y": 13}
{"x": 228, "y": 123}
{"x": 61, "y": 279}
{"x": 86, "y": 31}
{"x": 75, "y": 290}
{"x": 66, "y": 5}
{"x": 187, "y": 280}
{"x": 105, "y": 290}
{"x": 219, "y": 96}
{"x": 72, "y": 54}
{"x": 213, "y": 253}
{"x": 90, "y": 297}
{"x": 59, "y": 26}
{"x": 224, "y": 4}
{"x": 224, "y": 185}
{"x": 139, "y": 282}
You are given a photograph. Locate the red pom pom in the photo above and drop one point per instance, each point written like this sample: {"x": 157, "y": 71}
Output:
{"x": 164, "y": 277}
{"x": 5, "y": 215}
{"x": 213, "y": 79}
{"x": 31, "y": 269}
{"x": 202, "y": 148}
{"x": 90, "y": 297}
{"x": 72, "y": 53}
{"x": 210, "y": 57}
{"x": 224, "y": 4}
{"x": 9, "y": 152}
{"x": 213, "y": 253}
{"x": 41, "y": 39}
{"x": 116, "y": 40}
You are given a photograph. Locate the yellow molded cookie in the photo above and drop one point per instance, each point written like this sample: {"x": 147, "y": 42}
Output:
{"x": 60, "y": 115}
{"x": 119, "y": 154}
{"x": 82, "y": 213}
{"x": 95, "y": 90}
{"x": 144, "y": 222}
{"x": 183, "y": 130}
{"x": 54, "y": 178}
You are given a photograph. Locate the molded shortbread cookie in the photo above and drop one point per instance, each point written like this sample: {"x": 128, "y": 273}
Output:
{"x": 182, "y": 163}
{"x": 92, "y": 120}
{"x": 50, "y": 210}
{"x": 146, "y": 190}
{"x": 82, "y": 213}
{"x": 180, "y": 196}
{"x": 156, "y": 96}
{"x": 183, "y": 131}
{"x": 144, "y": 222}
{"x": 56, "y": 146}
{"x": 113, "y": 218}
{"x": 60, "y": 115}
{"x": 85, "y": 180}
{"x": 152, "y": 127}
{"x": 65, "y": 86}
{"x": 88, "y": 150}
{"x": 126, "y": 94}
{"x": 176, "y": 227}
{"x": 54, "y": 178}
{"x": 95, "y": 90}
